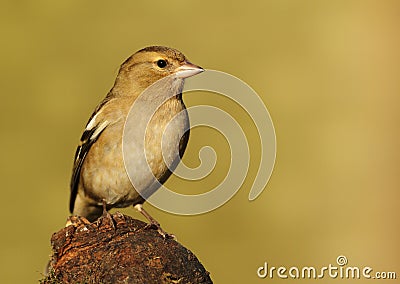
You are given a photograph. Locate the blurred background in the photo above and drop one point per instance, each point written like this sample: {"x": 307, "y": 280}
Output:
{"x": 328, "y": 71}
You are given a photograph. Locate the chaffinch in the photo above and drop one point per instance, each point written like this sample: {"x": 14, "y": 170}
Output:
{"x": 99, "y": 179}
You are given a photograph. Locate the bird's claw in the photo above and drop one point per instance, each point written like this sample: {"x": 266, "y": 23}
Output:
{"x": 163, "y": 233}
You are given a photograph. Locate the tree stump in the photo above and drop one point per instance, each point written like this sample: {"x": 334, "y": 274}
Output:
{"x": 119, "y": 249}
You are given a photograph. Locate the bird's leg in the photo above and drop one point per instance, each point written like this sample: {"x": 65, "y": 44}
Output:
{"x": 153, "y": 222}
{"x": 107, "y": 214}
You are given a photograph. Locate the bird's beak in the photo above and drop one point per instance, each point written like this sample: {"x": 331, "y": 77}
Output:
{"x": 188, "y": 70}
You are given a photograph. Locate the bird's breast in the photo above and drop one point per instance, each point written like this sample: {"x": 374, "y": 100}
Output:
{"x": 151, "y": 145}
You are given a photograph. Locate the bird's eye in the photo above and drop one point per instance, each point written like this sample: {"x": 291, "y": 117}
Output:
{"x": 161, "y": 63}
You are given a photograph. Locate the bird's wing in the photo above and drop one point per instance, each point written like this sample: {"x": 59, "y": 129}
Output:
{"x": 183, "y": 143}
{"x": 182, "y": 147}
{"x": 94, "y": 128}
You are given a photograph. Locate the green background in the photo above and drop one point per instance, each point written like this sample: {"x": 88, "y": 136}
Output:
{"x": 328, "y": 72}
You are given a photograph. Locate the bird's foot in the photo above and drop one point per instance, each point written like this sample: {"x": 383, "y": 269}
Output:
{"x": 76, "y": 221}
{"x": 107, "y": 214}
{"x": 160, "y": 230}
{"x": 153, "y": 223}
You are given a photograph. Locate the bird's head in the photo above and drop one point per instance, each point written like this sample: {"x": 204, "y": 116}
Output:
{"x": 151, "y": 64}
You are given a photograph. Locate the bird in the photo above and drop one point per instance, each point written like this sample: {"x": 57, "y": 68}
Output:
{"x": 99, "y": 179}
